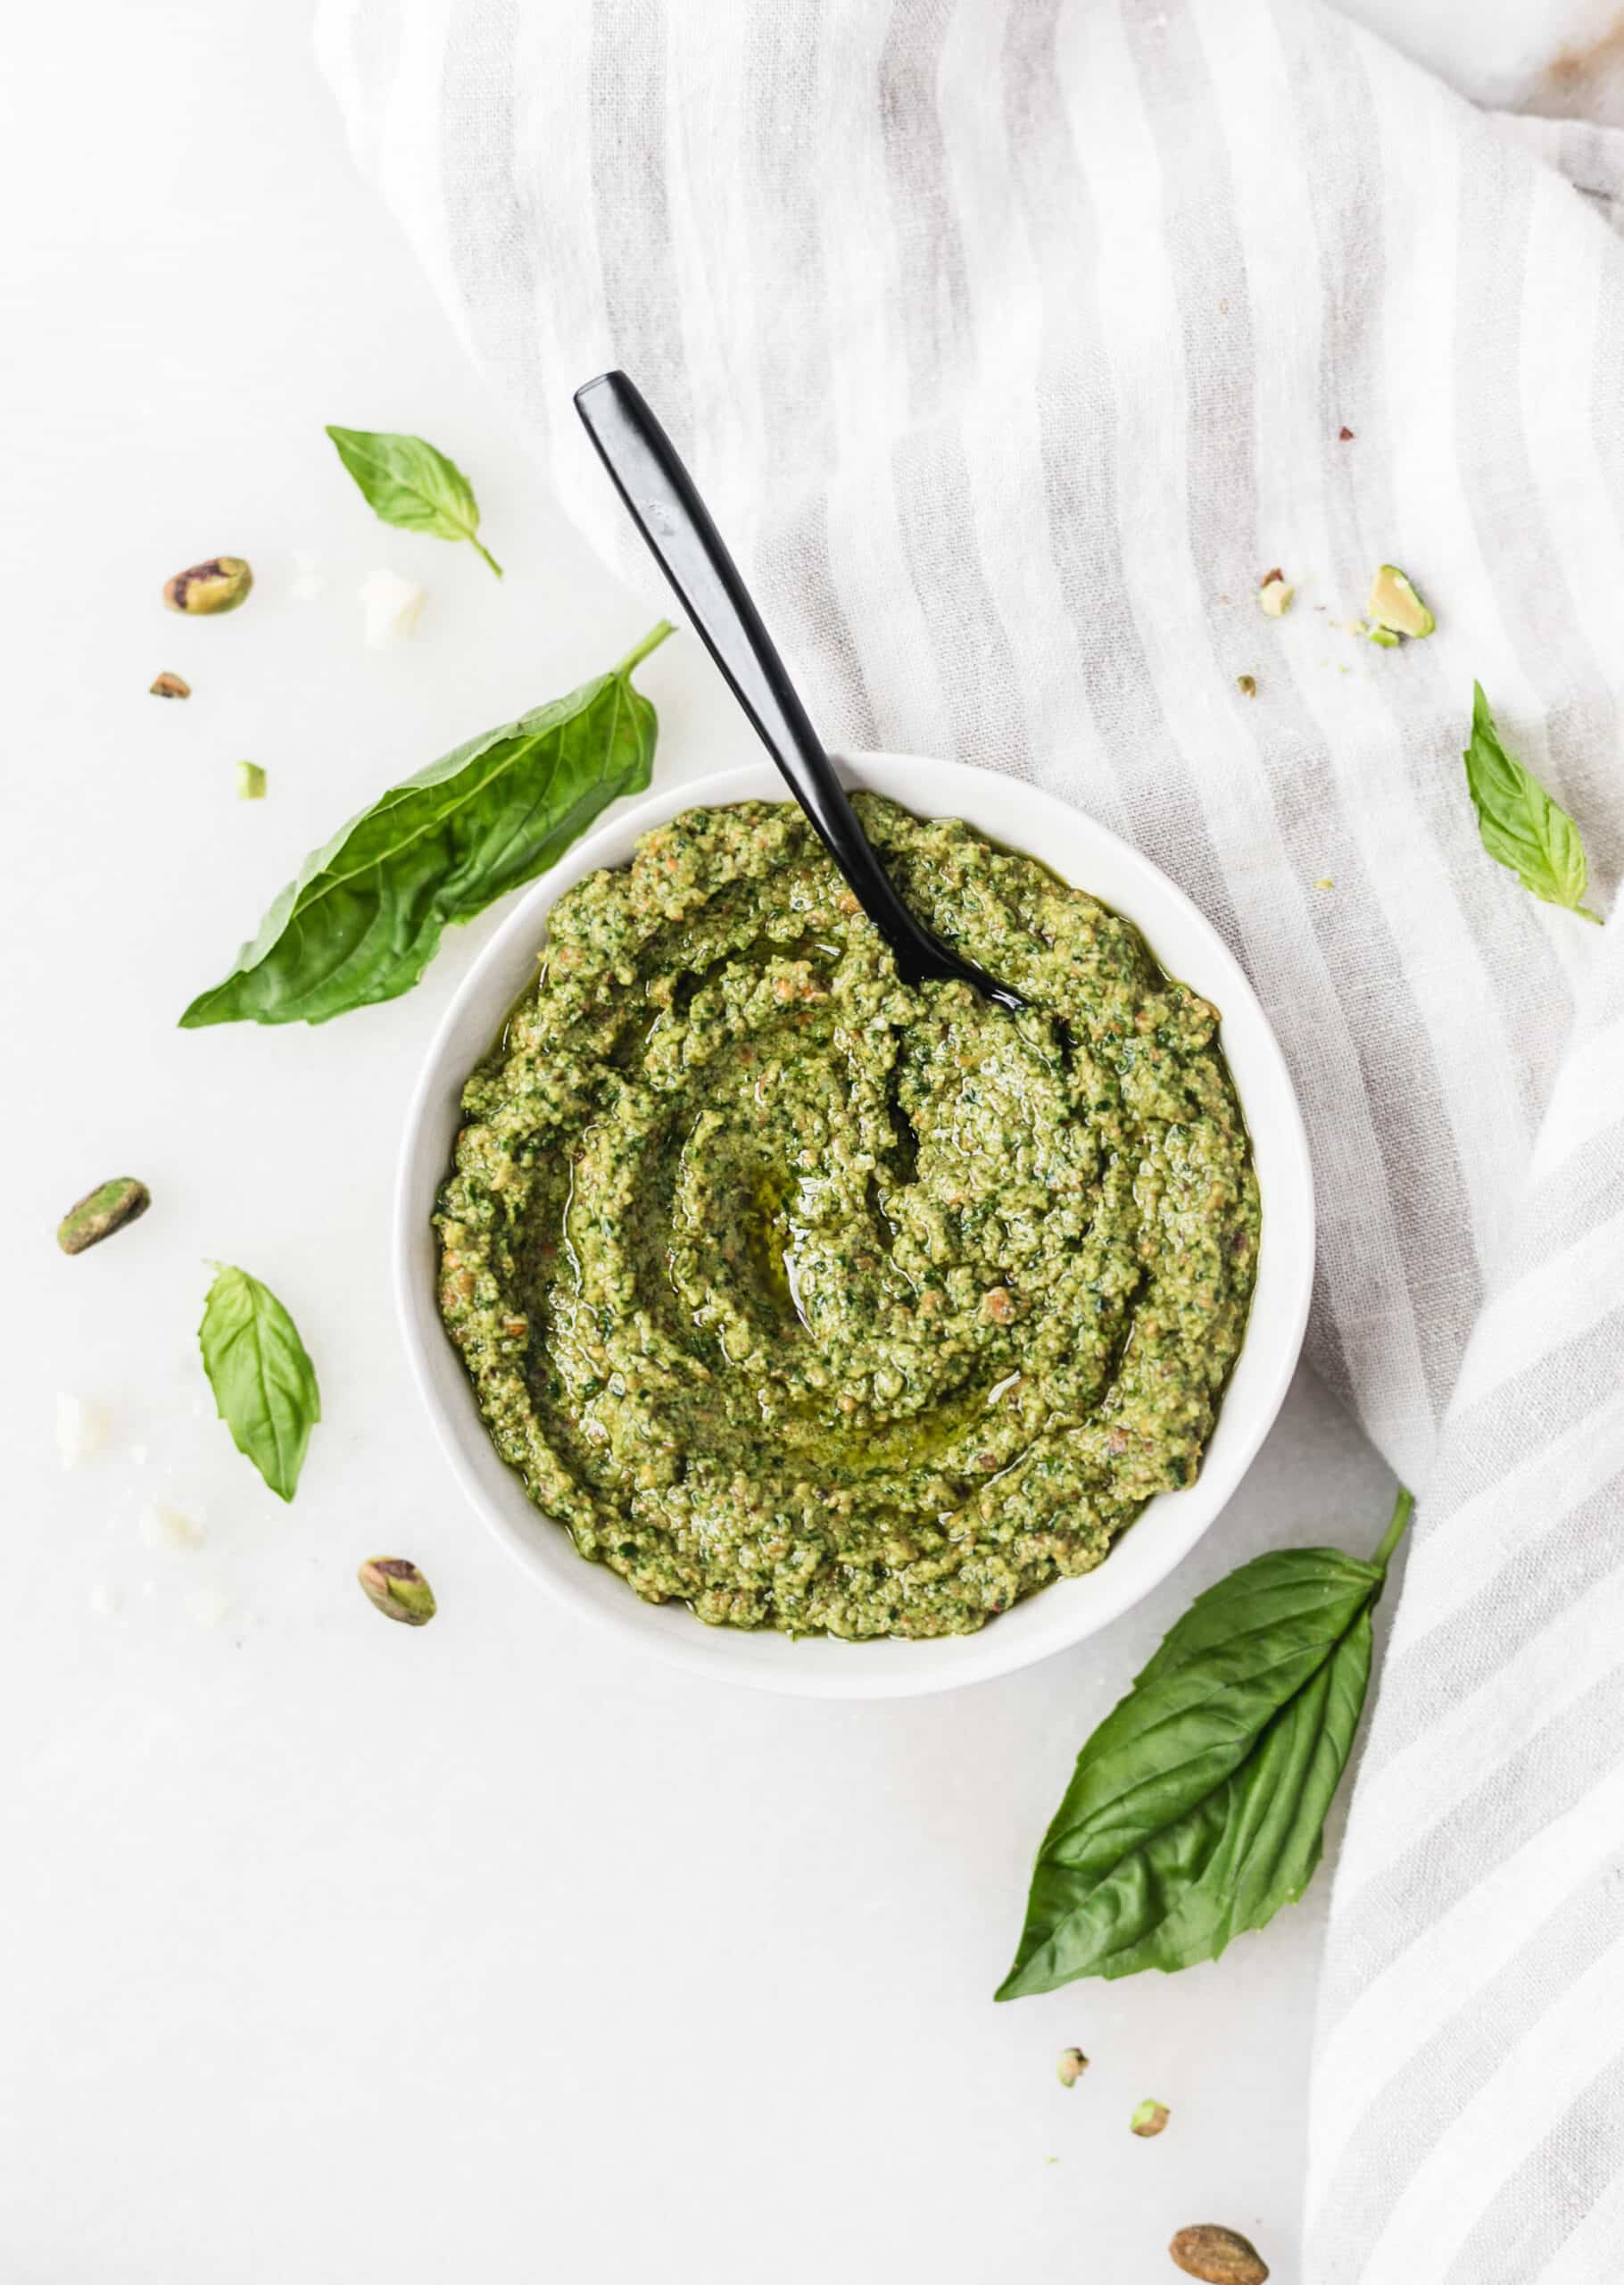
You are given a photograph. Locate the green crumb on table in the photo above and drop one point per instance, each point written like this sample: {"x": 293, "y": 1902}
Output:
{"x": 1325, "y": 882}
{"x": 250, "y": 782}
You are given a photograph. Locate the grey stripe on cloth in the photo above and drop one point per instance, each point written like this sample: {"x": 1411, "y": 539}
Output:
{"x": 1523, "y": 1793}
{"x": 1528, "y": 2225}
{"x": 1433, "y": 2083}
{"x": 1014, "y": 340}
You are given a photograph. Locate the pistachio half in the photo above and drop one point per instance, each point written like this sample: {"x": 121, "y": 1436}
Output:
{"x": 169, "y": 686}
{"x": 1218, "y": 2257}
{"x": 101, "y": 1211}
{"x": 1274, "y": 593}
{"x": 398, "y": 1589}
{"x": 1394, "y": 605}
{"x": 1071, "y": 2065}
{"x": 220, "y": 583}
{"x": 1149, "y": 2118}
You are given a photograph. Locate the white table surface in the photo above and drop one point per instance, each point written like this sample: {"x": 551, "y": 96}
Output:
{"x": 336, "y": 1950}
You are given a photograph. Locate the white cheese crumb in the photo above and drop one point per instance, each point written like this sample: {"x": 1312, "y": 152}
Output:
{"x": 81, "y": 1429}
{"x": 210, "y": 1607}
{"x": 164, "y": 1526}
{"x": 393, "y": 607}
{"x": 307, "y": 583}
{"x": 105, "y": 1600}
{"x": 138, "y": 1452}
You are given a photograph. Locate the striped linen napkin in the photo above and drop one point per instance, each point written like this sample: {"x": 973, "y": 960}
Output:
{"x": 1012, "y": 341}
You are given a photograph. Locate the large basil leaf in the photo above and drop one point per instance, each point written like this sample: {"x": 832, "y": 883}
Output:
{"x": 408, "y": 483}
{"x": 263, "y": 1381}
{"x": 1519, "y": 823}
{"x": 1197, "y": 1808}
{"x": 365, "y": 916}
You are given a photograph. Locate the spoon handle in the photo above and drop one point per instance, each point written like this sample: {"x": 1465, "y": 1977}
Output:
{"x": 663, "y": 503}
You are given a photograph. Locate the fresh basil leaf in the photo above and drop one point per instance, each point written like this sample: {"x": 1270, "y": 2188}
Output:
{"x": 1519, "y": 825}
{"x": 1196, "y": 1808}
{"x": 263, "y": 1381}
{"x": 365, "y": 916}
{"x": 407, "y": 483}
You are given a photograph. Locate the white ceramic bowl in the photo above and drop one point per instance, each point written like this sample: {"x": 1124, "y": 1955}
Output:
{"x": 1073, "y": 845}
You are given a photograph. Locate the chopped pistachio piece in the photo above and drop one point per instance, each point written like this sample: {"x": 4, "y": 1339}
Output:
{"x": 101, "y": 1211}
{"x": 1394, "y": 605}
{"x": 1246, "y": 685}
{"x": 1070, "y": 2066}
{"x": 1218, "y": 2257}
{"x": 1384, "y": 635}
{"x": 250, "y": 782}
{"x": 1149, "y": 2119}
{"x": 398, "y": 1589}
{"x": 1275, "y": 594}
{"x": 169, "y": 686}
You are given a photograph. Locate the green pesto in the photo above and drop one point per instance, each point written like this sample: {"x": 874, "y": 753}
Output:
{"x": 820, "y": 1302}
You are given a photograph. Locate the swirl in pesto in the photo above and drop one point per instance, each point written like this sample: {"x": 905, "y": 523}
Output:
{"x": 821, "y": 1302}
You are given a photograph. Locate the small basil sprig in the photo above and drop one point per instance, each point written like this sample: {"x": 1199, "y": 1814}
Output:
{"x": 263, "y": 1381}
{"x": 1197, "y": 1808}
{"x": 365, "y": 916}
{"x": 1519, "y": 825}
{"x": 407, "y": 483}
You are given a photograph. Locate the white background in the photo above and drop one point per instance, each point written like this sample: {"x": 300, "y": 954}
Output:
{"x": 335, "y": 1950}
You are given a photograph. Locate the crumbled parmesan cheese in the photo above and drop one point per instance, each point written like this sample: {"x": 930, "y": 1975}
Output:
{"x": 81, "y": 1429}
{"x": 164, "y": 1526}
{"x": 393, "y": 607}
{"x": 105, "y": 1600}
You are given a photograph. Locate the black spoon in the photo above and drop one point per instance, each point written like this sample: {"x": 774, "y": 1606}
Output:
{"x": 667, "y": 509}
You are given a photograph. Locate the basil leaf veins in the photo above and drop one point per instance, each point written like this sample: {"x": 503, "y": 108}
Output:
{"x": 407, "y": 483}
{"x": 263, "y": 1381}
{"x": 1198, "y": 1806}
{"x": 365, "y": 916}
{"x": 1519, "y": 825}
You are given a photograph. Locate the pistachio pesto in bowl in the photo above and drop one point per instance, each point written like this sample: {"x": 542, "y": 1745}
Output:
{"x": 1010, "y": 817}
{"x": 817, "y": 1301}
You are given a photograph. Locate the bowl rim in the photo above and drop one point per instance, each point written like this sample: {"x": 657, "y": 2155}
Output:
{"x": 823, "y": 1667}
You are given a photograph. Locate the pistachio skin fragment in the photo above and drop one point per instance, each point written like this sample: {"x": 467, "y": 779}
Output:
{"x": 398, "y": 1589}
{"x": 1218, "y": 2257}
{"x": 1070, "y": 2066}
{"x": 1149, "y": 2119}
{"x": 169, "y": 686}
{"x": 1246, "y": 685}
{"x": 1394, "y": 604}
{"x": 107, "y": 1207}
{"x": 207, "y": 589}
